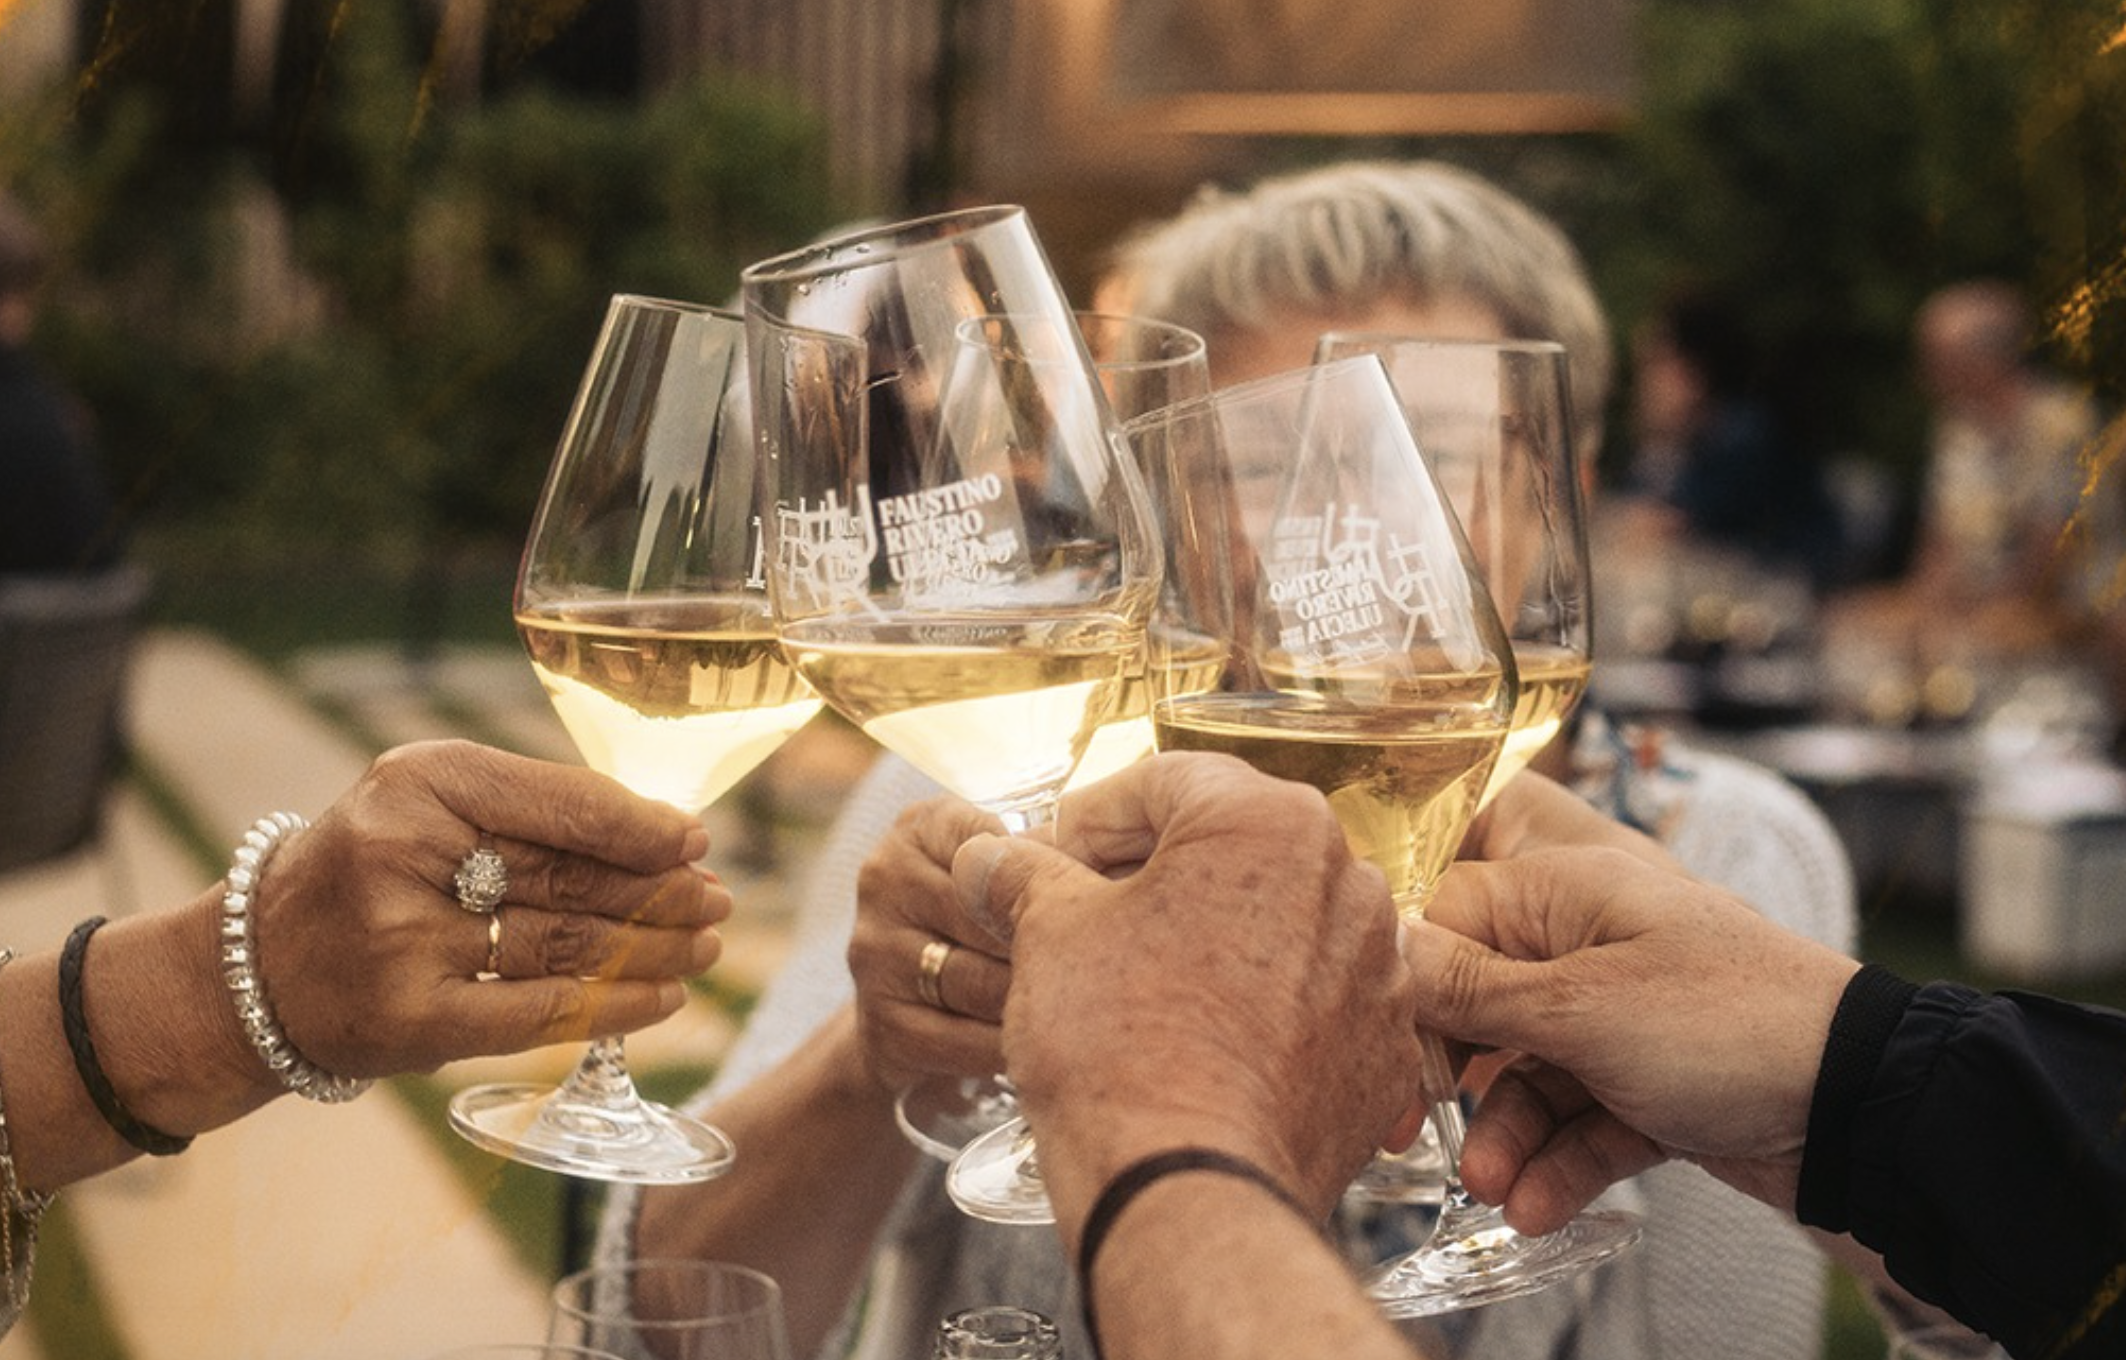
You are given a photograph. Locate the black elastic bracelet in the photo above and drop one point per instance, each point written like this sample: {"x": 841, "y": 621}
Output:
{"x": 148, "y": 1139}
{"x": 1139, "y": 1176}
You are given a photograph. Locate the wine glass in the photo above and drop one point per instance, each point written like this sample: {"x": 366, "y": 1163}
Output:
{"x": 961, "y": 555}
{"x": 672, "y": 1310}
{"x": 1367, "y": 658}
{"x": 1491, "y": 421}
{"x": 1143, "y": 364}
{"x": 640, "y": 603}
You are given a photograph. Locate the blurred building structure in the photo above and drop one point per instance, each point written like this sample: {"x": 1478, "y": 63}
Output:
{"x": 1092, "y": 112}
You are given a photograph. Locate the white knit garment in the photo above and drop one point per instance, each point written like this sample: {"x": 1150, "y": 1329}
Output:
{"x": 1717, "y": 1276}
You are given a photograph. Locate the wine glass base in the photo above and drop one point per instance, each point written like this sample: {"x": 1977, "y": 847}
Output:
{"x": 640, "y": 1143}
{"x": 1497, "y": 1263}
{"x": 996, "y": 1179}
{"x": 941, "y": 1115}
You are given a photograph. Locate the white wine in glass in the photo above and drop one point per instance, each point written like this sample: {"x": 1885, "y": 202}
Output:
{"x": 1369, "y": 660}
{"x": 1492, "y": 420}
{"x": 960, "y": 555}
{"x": 640, "y": 604}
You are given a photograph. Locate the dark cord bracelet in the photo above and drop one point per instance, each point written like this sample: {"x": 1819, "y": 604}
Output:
{"x": 1139, "y": 1176}
{"x": 147, "y": 1138}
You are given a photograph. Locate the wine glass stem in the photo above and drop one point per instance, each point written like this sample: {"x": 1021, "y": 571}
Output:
{"x": 601, "y": 1079}
{"x": 1024, "y": 817}
{"x": 1459, "y": 1213}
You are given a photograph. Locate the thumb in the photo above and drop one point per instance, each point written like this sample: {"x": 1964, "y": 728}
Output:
{"x": 991, "y": 875}
{"x": 1466, "y": 990}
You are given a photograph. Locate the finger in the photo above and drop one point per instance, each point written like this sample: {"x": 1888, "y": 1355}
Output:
{"x": 565, "y": 807}
{"x": 1465, "y": 990}
{"x": 554, "y": 881}
{"x": 1591, "y": 1153}
{"x": 907, "y": 1039}
{"x": 973, "y": 984}
{"x": 991, "y": 875}
{"x": 509, "y": 1017}
{"x": 535, "y": 944}
{"x": 1541, "y": 1147}
{"x": 1119, "y": 821}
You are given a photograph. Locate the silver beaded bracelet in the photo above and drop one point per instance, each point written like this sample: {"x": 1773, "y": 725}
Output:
{"x": 239, "y": 969}
{"x": 20, "y": 1212}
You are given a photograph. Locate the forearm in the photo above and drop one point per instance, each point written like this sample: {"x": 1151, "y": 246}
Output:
{"x": 1260, "y": 1282}
{"x": 165, "y": 1035}
{"x": 820, "y": 1162}
{"x": 2018, "y": 1095}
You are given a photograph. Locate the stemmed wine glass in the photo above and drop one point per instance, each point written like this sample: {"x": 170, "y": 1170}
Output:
{"x": 1491, "y": 420}
{"x": 1367, "y": 658}
{"x": 640, "y": 603}
{"x": 1491, "y": 423}
{"x": 1143, "y": 364}
{"x": 960, "y": 552}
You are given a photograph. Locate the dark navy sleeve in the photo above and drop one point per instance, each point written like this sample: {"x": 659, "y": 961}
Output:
{"x": 1979, "y": 1144}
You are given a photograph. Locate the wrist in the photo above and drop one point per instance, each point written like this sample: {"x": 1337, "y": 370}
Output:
{"x": 164, "y": 1028}
{"x": 1087, "y": 1144}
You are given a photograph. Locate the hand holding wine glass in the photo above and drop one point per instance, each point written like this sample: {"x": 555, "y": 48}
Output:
{"x": 640, "y": 605}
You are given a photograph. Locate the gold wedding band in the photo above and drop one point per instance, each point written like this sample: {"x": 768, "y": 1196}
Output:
{"x": 494, "y": 945}
{"x": 929, "y": 970}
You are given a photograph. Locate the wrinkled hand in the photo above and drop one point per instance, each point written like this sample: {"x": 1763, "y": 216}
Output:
{"x": 1659, "y": 1016}
{"x": 1198, "y": 960}
{"x": 905, "y": 901}
{"x": 371, "y": 963}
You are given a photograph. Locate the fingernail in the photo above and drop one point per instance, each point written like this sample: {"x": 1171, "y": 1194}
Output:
{"x": 671, "y": 996}
{"x": 707, "y": 948}
{"x": 971, "y": 868}
{"x": 696, "y": 845}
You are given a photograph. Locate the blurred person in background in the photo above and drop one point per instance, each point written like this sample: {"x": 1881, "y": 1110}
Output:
{"x": 1998, "y": 590}
{"x": 855, "y": 1222}
{"x": 1712, "y": 464}
{"x": 56, "y": 515}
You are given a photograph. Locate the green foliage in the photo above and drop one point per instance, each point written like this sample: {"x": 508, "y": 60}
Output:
{"x": 357, "y": 329}
{"x": 1827, "y": 163}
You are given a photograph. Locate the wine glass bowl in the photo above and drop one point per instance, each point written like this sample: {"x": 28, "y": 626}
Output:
{"x": 1492, "y": 419}
{"x": 641, "y": 608}
{"x": 1356, "y": 648}
{"x": 672, "y": 1309}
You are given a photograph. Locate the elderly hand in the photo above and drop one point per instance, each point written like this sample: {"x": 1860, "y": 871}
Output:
{"x": 905, "y": 906}
{"x": 1199, "y": 960}
{"x": 372, "y": 964}
{"x": 1659, "y": 1015}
